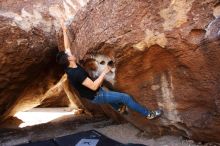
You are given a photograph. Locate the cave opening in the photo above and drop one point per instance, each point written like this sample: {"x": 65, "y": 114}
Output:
{"x": 37, "y": 116}
{"x": 57, "y": 103}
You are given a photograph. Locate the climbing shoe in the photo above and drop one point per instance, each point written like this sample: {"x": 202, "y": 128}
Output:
{"x": 154, "y": 114}
{"x": 123, "y": 109}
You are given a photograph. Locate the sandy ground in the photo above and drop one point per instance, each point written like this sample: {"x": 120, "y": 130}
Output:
{"x": 124, "y": 133}
{"x": 71, "y": 124}
{"x": 127, "y": 133}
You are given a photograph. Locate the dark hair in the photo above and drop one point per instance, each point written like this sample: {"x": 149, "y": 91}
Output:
{"x": 62, "y": 59}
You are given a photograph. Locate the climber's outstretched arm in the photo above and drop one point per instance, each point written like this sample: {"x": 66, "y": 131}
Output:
{"x": 65, "y": 37}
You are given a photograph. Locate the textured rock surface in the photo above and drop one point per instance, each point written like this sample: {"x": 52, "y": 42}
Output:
{"x": 28, "y": 45}
{"x": 166, "y": 55}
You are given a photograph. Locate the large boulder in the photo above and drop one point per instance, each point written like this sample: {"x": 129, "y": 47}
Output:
{"x": 166, "y": 55}
{"x": 28, "y": 46}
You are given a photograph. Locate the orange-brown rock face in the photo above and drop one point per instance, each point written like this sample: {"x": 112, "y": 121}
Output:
{"x": 166, "y": 55}
{"x": 28, "y": 47}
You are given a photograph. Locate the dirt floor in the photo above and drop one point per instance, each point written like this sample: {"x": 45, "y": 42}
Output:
{"x": 124, "y": 133}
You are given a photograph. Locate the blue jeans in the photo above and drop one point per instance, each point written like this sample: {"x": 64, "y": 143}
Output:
{"x": 117, "y": 98}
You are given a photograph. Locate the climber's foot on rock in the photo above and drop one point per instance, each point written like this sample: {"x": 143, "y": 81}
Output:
{"x": 154, "y": 114}
{"x": 123, "y": 110}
